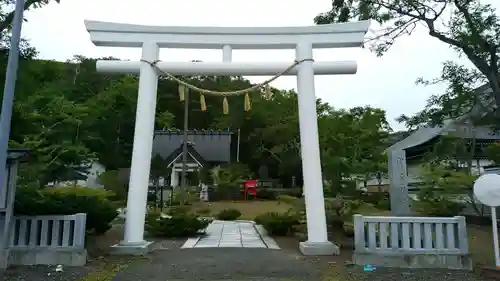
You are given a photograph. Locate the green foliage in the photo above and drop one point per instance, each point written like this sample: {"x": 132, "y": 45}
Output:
{"x": 69, "y": 115}
{"x": 384, "y": 203}
{"x": 267, "y": 194}
{"x": 190, "y": 196}
{"x": 441, "y": 193}
{"x": 278, "y": 224}
{"x": 111, "y": 181}
{"x": 288, "y": 199}
{"x": 231, "y": 173}
{"x": 228, "y": 215}
{"x": 493, "y": 152}
{"x": 176, "y": 224}
{"x": 204, "y": 175}
{"x": 204, "y": 211}
{"x": 293, "y": 192}
{"x": 438, "y": 206}
{"x": 339, "y": 210}
{"x": 178, "y": 210}
{"x": 228, "y": 180}
{"x": 68, "y": 201}
{"x": 360, "y": 133}
{"x": 471, "y": 28}
{"x": 152, "y": 197}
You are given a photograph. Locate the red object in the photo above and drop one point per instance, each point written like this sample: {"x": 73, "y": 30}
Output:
{"x": 250, "y": 188}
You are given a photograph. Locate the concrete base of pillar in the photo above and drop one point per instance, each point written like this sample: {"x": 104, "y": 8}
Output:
{"x": 319, "y": 249}
{"x": 136, "y": 249}
{"x": 4, "y": 259}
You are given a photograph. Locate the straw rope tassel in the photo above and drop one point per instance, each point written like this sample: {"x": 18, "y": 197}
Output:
{"x": 182, "y": 92}
{"x": 247, "y": 105}
{"x": 225, "y": 106}
{"x": 203, "y": 103}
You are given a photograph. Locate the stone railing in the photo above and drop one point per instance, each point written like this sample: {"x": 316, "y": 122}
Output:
{"x": 414, "y": 242}
{"x": 48, "y": 240}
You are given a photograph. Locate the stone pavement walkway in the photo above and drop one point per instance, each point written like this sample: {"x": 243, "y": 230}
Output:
{"x": 232, "y": 234}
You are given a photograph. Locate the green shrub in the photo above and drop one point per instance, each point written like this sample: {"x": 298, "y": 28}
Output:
{"x": 438, "y": 207}
{"x": 384, "y": 204}
{"x": 288, "y": 199}
{"x": 228, "y": 191}
{"x": 294, "y": 192}
{"x": 152, "y": 197}
{"x": 114, "y": 182}
{"x": 190, "y": 196}
{"x": 204, "y": 211}
{"x": 228, "y": 215}
{"x": 368, "y": 197}
{"x": 68, "y": 201}
{"x": 340, "y": 210}
{"x": 178, "y": 210}
{"x": 267, "y": 194}
{"x": 278, "y": 224}
{"x": 175, "y": 225}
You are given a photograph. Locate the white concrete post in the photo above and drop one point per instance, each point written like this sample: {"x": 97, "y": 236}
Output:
{"x": 317, "y": 242}
{"x": 141, "y": 153}
{"x": 227, "y": 53}
{"x": 174, "y": 177}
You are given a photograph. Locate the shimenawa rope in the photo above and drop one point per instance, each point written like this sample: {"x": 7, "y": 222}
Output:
{"x": 183, "y": 85}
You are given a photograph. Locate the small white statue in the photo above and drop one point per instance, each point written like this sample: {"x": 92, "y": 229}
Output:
{"x": 204, "y": 192}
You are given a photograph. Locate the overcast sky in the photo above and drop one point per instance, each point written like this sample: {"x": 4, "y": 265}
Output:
{"x": 58, "y": 32}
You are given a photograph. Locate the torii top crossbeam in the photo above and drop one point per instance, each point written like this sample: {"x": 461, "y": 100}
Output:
{"x": 343, "y": 35}
{"x": 320, "y": 36}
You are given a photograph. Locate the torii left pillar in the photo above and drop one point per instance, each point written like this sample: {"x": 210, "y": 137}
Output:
{"x": 133, "y": 242}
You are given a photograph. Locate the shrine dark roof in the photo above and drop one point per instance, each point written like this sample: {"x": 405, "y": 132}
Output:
{"x": 191, "y": 151}
{"x": 212, "y": 146}
{"x": 458, "y": 127}
{"x": 426, "y": 135}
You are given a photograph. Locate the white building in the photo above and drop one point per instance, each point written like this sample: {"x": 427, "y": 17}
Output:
{"x": 88, "y": 178}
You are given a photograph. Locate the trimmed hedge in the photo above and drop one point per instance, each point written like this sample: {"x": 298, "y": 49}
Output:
{"x": 68, "y": 201}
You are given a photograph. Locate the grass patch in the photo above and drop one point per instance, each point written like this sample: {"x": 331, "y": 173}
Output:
{"x": 481, "y": 244}
{"x": 249, "y": 209}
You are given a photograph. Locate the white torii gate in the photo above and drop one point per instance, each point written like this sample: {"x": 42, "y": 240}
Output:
{"x": 302, "y": 39}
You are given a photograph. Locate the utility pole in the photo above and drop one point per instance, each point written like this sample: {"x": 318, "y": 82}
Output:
{"x": 184, "y": 148}
{"x": 9, "y": 89}
{"x": 6, "y": 115}
{"x": 238, "y": 148}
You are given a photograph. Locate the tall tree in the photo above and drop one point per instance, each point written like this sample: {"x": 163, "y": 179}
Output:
{"x": 6, "y": 18}
{"x": 463, "y": 100}
{"x": 468, "y": 26}
{"x": 7, "y": 13}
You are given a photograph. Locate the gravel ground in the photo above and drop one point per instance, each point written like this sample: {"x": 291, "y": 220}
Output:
{"x": 221, "y": 264}
{"x": 170, "y": 263}
{"x": 395, "y": 274}
{"x": 45, "y": 273}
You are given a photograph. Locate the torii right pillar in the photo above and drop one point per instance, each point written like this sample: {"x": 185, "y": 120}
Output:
{"x": 317, "y": 237}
